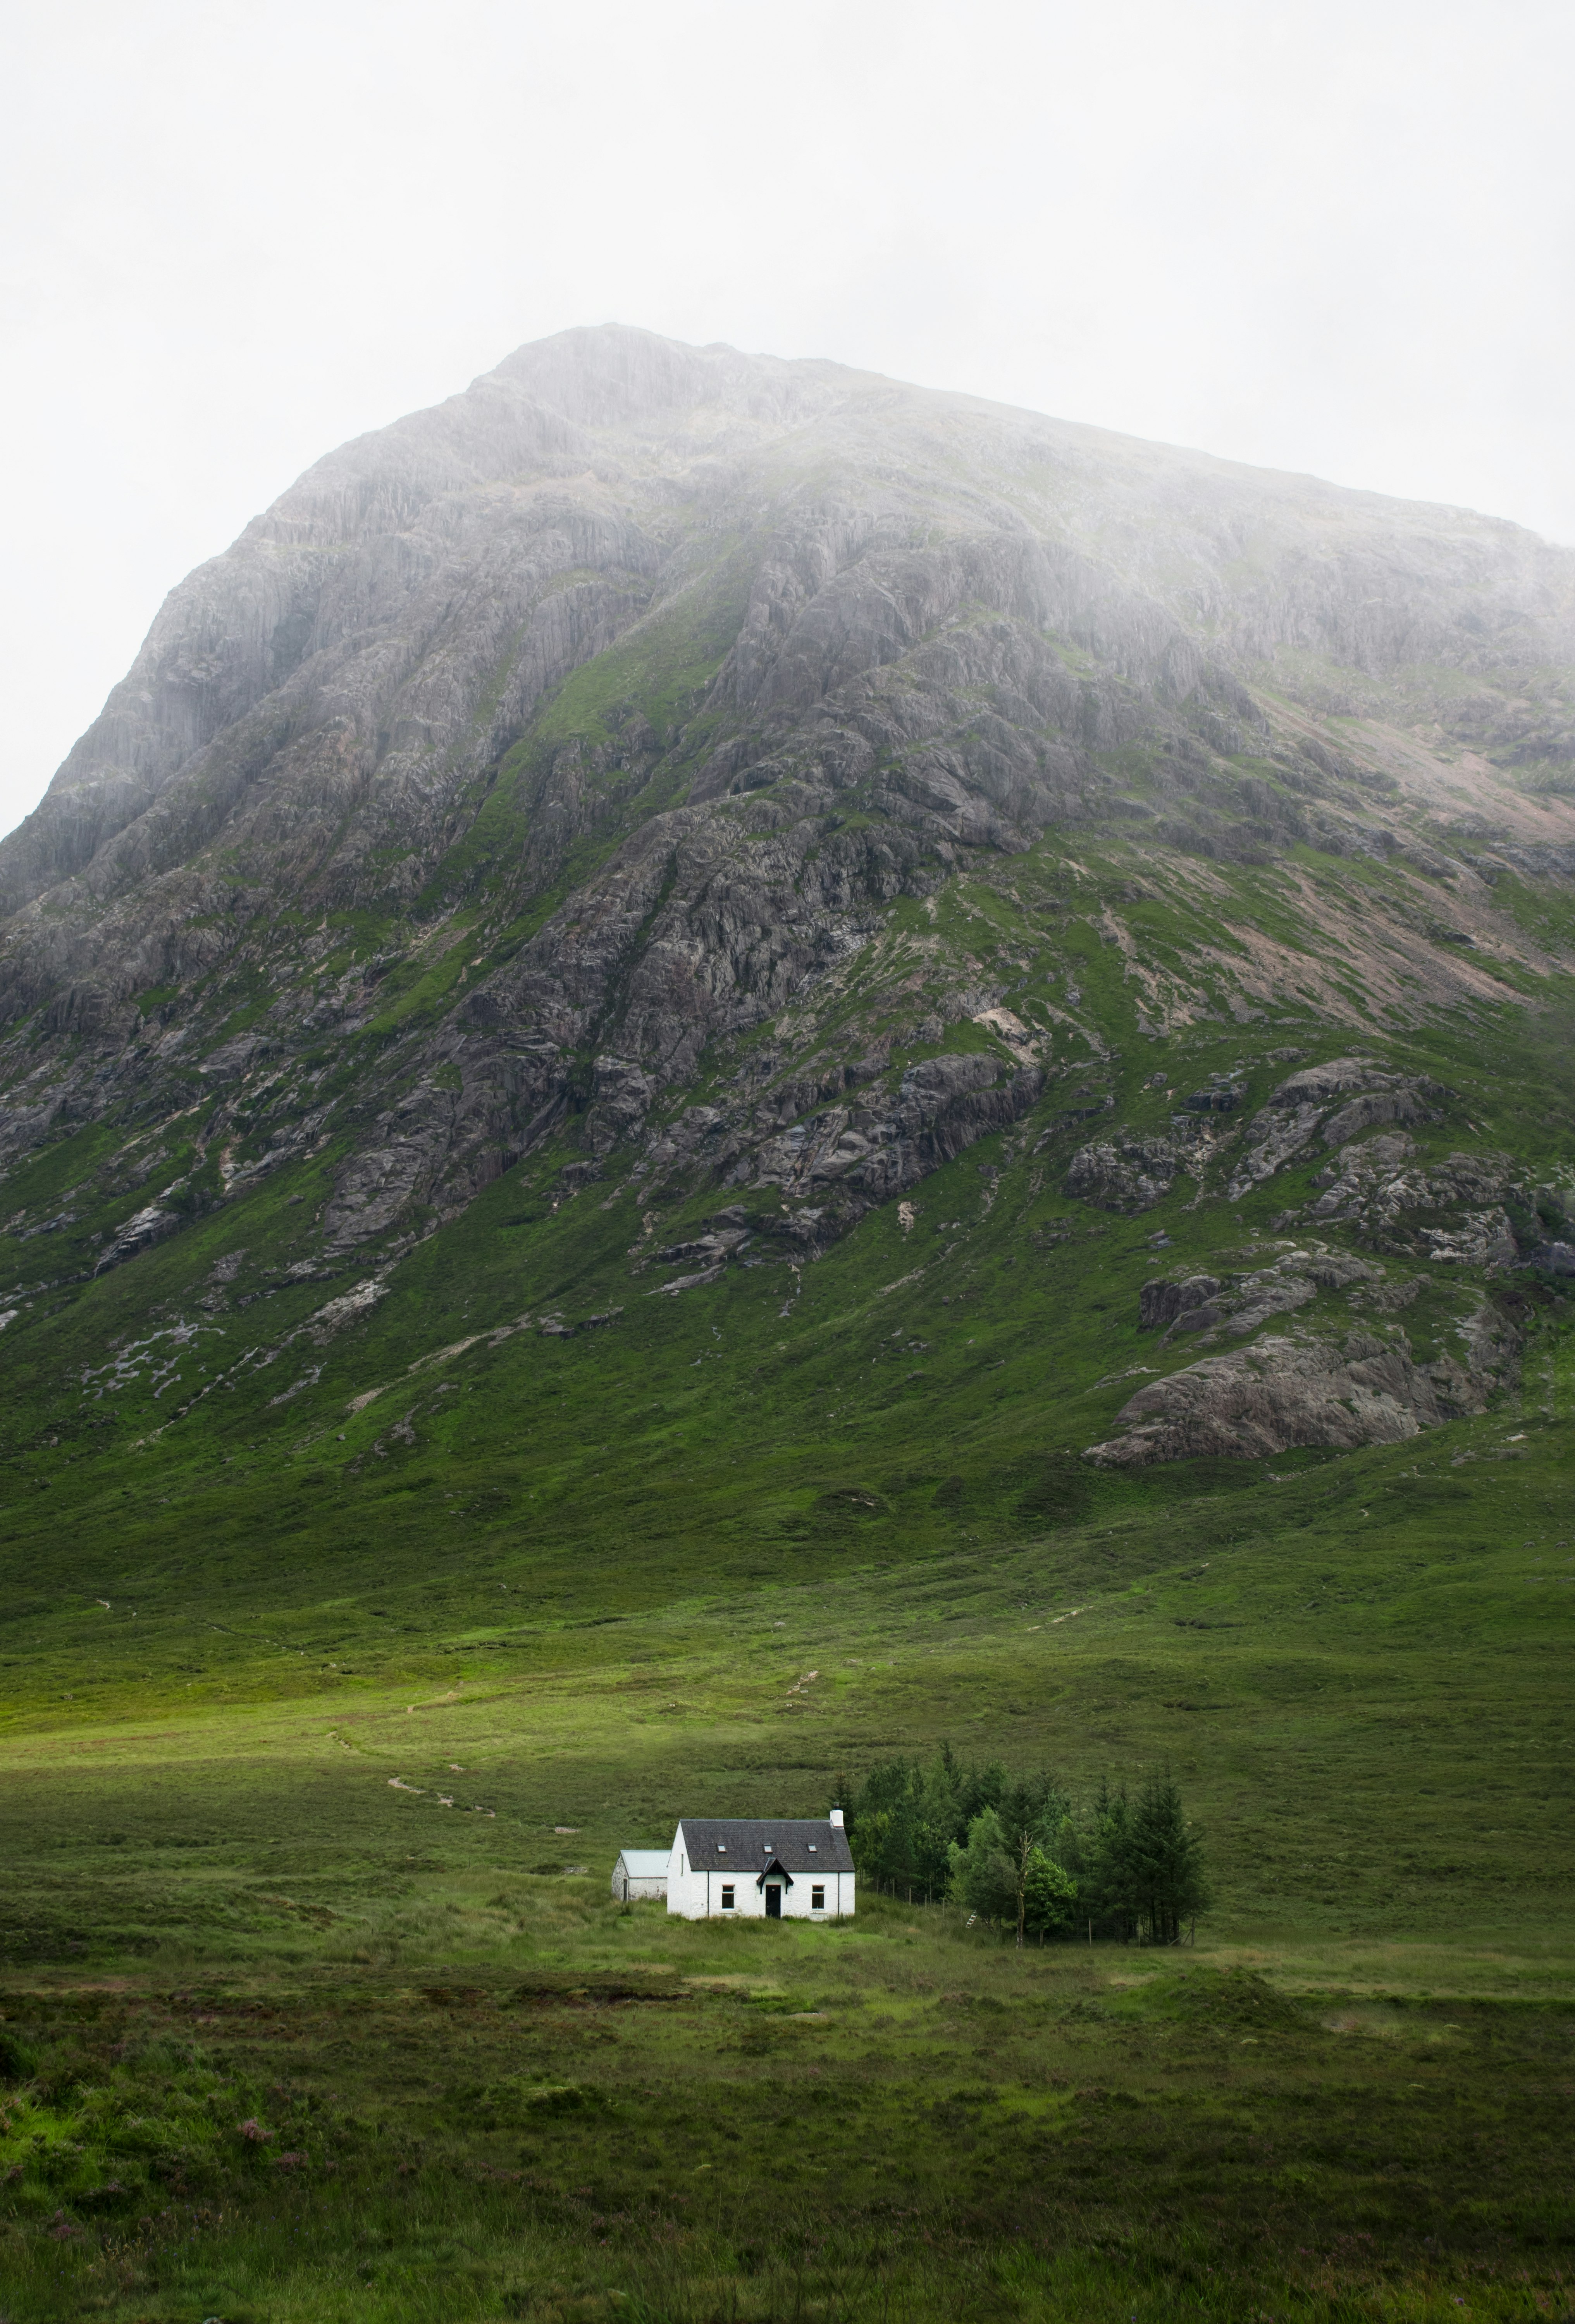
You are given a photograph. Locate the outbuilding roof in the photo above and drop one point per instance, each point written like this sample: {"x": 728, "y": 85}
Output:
{"x": 644, "y": 1863}
{"x": 748, "y": 1844}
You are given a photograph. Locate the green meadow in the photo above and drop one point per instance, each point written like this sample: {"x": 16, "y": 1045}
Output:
{"x": 310, "y": 2011}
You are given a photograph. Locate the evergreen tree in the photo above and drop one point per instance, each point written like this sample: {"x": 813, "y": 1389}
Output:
{"x": 979, "y": 1788}
{"x": 902, "y": 1821}
{"x": 1015, "y": 1849}
{"x": 1165, "y": 1861}
{"x": 1112, "y": 1892}
{"x": 1033, "y": 1804}
{"x": 984, "y": 1877}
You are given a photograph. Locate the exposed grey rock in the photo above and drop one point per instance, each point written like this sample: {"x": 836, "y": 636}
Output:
{"x": 1283, "y": 1392}
{"x": 61, "y": 1220}
{"x": 621, "y": 1099}
{"x": 719, "y": 1244}
{"x": 1271, "y": 1291}
{"x": 1319, "y": 1085}
{"x": 1242, "y": 1302}
{"x": 689, "y": 1282}
{"x": 1403, "y": 1102}
{"x": 1389, "y": 1298}
{"x": 1126, "y": 1174}
{"x": 1380, "y": 1184}
{"x": 1338, "y": 1270}
{"x": 1477, "y": 1239}
{"x": 234, "y": 1058}
{"x": 1274, "y": 1137}
{"x": 1161, "y": 1301}
{"x": 1362, "y": 1164}
{"x": 153, "y": 1224}
{"x": 1298, "y": 1110}
{"x": 347, "y": 1308}
{"x": 870, "y": 1153}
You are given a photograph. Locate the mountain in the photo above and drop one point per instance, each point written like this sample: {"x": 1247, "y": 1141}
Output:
{"x": 720, "y": 1072}
{"x": 981, "y": 959}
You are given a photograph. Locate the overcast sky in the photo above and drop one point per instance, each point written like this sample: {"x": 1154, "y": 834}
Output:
{"x": 1332, "y": 237}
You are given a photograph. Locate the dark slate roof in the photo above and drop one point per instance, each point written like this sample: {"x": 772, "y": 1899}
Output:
{"x": 740, "y": 1844}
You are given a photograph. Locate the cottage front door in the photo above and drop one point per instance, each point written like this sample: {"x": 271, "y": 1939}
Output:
{"x": 774, "y": 1900}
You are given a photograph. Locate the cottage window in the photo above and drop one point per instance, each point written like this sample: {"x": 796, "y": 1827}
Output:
{"x": 817, "y": 1900}
{"x": 727, "y": 1900}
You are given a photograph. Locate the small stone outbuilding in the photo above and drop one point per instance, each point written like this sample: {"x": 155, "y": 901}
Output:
{"x": 640, "y": 1872}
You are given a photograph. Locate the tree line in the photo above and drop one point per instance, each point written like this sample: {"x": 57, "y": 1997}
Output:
{"x": 1019, "y": 1850}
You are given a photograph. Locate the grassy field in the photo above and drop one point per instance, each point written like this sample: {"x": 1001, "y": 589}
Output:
{"x": 341, "y": 1906}
{"x": 551, "y": 2108}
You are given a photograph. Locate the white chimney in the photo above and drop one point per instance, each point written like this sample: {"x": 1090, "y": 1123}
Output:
{"x": 837, "y": 1818}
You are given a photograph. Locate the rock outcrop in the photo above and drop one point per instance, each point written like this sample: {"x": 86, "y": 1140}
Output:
{"x": 1163, "y": 1302}
{"x": 1332, "y": 1103}
{"x": 1281, "y": 1392}
{"x": 1378, "y": 1184}
{"x": 1240, "y": 1303}
{"x": 1132, "y": 1170}
{"x": 1124, "y": 1173}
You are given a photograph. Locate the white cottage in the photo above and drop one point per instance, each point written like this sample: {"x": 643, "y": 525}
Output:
{"x": 778, "y": 1867}
{"x": 640, "y": 1872}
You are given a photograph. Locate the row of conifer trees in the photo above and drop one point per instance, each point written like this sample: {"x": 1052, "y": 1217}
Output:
{"x": 1021, "y": 1850}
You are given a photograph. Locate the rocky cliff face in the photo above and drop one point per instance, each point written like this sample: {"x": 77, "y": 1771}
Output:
{"x": 762, "y": 782}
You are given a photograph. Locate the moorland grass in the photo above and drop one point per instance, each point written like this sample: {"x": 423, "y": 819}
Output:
{"x": 1346, "y": 2101}
{"x": 555, "y": 2108}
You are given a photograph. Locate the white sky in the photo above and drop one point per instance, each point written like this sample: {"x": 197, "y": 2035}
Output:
{"x": 1326, "y": 236}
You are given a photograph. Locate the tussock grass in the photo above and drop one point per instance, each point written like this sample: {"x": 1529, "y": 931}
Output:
{"x": 896, "y": 2118}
